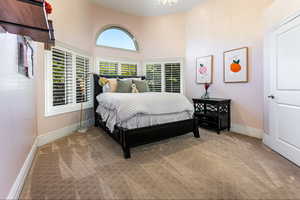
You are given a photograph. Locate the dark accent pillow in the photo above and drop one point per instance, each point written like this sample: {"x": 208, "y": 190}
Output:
{"x": 142, "y": 85}
{"x": 124, "y": 86}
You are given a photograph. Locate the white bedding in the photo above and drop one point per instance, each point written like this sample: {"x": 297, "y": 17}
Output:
{"x": 131, "y": 111}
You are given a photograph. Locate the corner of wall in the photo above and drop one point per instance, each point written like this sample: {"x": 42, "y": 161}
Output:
{"x": 246, "y": 130}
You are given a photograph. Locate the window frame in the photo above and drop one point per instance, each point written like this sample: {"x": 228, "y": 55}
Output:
{"x": 119, "y": 61}
{"x": 133, "y": 38}
{"x": 51, "y": 110}
{"x": 163, "y": 62}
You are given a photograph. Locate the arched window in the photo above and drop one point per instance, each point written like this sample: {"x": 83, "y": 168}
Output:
{"x": 117, "y": 37}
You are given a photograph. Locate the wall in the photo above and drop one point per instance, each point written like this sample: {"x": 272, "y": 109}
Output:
{"x": 158, "y": 37}
{"x": 163, "y": 36}
{"x": 103, "y": 17}
{"x": 279, "y": 10}
{"x": 216, "y": 26}
{"x": 18, "y": 114}
{"x": 73, "y": 27}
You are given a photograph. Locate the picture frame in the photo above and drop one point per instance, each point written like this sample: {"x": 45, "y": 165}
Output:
{"x": 204, "y": 69}
{"x": 25, "y": 57}
{"x": 235, "y": 65}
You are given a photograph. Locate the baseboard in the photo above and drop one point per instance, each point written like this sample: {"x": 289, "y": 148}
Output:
{"x": 19, "y": 182}
{"x": 246, "y": 130}
{"x": 59, "y": 133}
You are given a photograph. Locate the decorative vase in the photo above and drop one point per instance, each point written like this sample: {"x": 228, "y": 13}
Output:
{"x": 205, "y": 95}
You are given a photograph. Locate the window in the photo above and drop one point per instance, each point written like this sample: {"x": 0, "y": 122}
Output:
{"x": 117, "y": 37}
{"x": 112, "y": 67}
{"x": 83, "y": 83}
{"x": 108, "y": 68}
{"x": 61, "y": 71}
{"x": 164, "y": 76}
{"x": 67, "y": 81}
{"x": 128, "y": 69}
{"x": 153, "y": 75}
{"x": 172, "y": 77}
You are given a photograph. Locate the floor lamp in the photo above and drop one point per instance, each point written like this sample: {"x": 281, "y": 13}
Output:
{"x": 82, "y": 86}
{"x": 82, "y": 128}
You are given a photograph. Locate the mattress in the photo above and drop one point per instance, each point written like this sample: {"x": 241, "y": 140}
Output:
{"x": 141, "y": 120}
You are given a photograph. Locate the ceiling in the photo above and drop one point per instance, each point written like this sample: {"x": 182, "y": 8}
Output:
{"x": 147, "y": 7}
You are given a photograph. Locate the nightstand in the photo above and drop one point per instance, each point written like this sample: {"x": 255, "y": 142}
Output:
{"x": 213, "y": 113}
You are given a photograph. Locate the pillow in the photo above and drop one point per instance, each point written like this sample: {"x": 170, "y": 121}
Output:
{"x": 109, "y": 85}
{"x": 113, "y": 83}
{"x": 102, "y": 81}
{"x": 134, "y": 89}
{"x": 124, "y": 86}
{"x": 142, "y": 86}
{"x": 106, "y": 88}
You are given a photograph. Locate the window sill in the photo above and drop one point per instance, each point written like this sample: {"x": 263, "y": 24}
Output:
{"x": 116, "y": 48}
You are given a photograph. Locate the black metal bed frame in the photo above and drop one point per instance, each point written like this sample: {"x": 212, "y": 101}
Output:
{"x": 129, "y": 138}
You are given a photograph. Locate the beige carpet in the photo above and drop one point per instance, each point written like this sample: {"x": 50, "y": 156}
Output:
{"x": 227, "y": 166}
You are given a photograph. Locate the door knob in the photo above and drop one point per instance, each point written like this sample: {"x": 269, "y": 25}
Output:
{"x": 271, "y": 97}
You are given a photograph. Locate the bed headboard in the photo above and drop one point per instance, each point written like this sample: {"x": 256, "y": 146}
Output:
{"x": 98, "y": 89}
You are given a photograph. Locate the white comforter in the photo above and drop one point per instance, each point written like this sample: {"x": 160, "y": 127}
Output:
{"x": 124, "y": 106}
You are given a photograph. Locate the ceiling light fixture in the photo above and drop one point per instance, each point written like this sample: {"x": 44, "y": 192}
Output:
{"x": 168, "y": 2}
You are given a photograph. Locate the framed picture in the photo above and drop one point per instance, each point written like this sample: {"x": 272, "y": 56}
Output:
{"x": 204, "y": 69}
{"x": 236, "y": 65}
{"x": 25, "y": 57}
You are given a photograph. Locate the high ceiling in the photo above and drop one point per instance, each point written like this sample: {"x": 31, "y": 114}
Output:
{"x": 147, "y": 7}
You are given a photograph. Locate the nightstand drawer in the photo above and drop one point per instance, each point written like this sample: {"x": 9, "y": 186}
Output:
{"x": 208, "y": 119}
{"x": 208, "y": 125}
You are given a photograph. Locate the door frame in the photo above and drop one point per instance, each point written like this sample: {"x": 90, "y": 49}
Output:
{"x": 268, "y": 139}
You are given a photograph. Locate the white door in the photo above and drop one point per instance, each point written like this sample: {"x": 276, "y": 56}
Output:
{"x": 284, "y": 98}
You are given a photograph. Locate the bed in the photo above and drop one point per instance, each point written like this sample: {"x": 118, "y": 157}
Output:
{"x": 129, "y": 123}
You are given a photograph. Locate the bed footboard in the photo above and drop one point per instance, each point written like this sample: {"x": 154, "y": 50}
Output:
{"x": 140, "y": 136}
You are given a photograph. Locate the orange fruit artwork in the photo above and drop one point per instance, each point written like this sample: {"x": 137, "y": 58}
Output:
{"x": 235, "y": 66}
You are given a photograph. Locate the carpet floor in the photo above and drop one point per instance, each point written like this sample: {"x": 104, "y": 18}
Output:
{"x": 226, "y": 166}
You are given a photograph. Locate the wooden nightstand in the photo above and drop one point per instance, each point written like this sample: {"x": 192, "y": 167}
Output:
{"x": 213, "y": 113}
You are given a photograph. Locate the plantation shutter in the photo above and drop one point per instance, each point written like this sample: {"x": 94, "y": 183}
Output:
{"x": 108, "y": 68}
{"x": 62, "y": 77}
{"x": 153, "y": 75}
{"x": 172, "y": 77}
{"x": 128, "y": 69}
{"x": 83, "y": 91}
